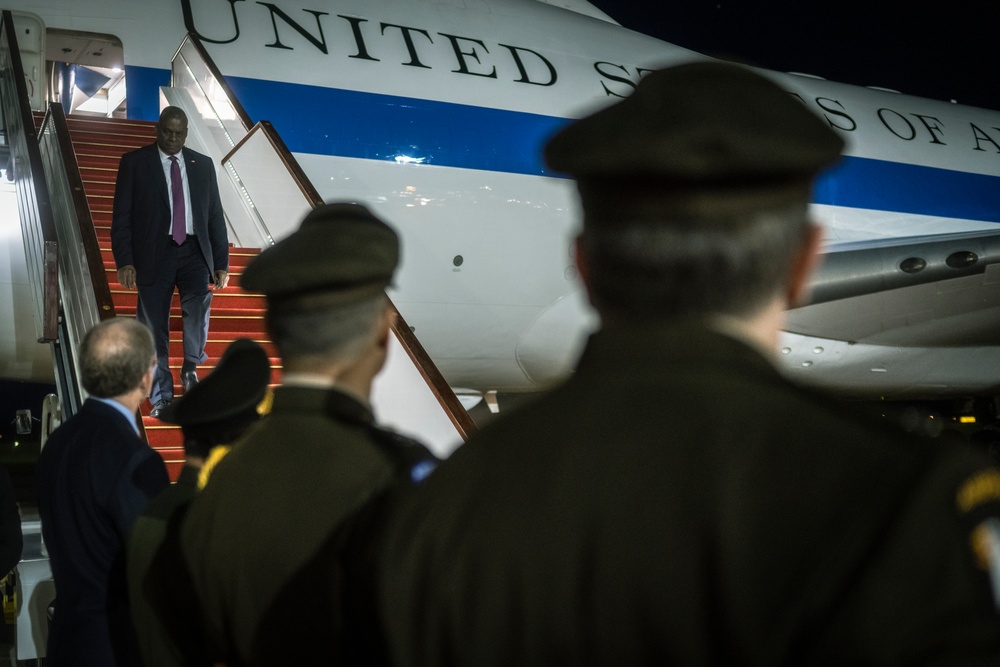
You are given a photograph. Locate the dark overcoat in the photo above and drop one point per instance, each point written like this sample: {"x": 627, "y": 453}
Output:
{"x": 678, "y": 502}
{"x": 94, "y": 478}
{"x": 264, "y": 538}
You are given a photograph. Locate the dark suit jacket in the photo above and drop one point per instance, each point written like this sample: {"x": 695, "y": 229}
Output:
{"x": 94, "y": 478}
{"x": 141, "y": 218}
{"x": 678, "y": 502}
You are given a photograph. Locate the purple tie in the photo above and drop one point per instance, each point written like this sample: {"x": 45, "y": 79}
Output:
{"x": 178, "y": 227}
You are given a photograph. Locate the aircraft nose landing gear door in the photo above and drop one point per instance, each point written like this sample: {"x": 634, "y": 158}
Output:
{"x": 31, "y": 43}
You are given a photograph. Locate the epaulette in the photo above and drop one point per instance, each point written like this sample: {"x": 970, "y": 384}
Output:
{"x": 412, "y": 459}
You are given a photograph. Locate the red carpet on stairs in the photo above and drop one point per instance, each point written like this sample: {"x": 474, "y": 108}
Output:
{"x": 99, "y": 144}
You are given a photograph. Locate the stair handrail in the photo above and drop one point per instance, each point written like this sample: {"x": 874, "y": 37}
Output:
{"x": 35, "y": 208}
{"x": 453, "y": 408}
{"x": 241, "y": 114}
{"x": 91, "y": 273}
{"x": 226, "y": 123}
{"x": 456, "y": 412}
{"x": 83, "y": 283}
{"x": 285, "y": 157}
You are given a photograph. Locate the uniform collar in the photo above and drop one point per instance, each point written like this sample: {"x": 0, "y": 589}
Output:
{"x": 687, "y": 343}
{"x": 331, "y": 401}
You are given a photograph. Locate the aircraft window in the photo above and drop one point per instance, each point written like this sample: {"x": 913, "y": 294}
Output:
{"x": 961, "y": 259}
{"x": 912, "y": 265}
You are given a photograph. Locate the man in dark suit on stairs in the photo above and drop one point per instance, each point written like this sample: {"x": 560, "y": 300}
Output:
{"x": 168, "y": 230}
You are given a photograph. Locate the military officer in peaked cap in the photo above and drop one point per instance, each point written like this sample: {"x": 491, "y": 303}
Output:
{"x": 264, "y": 538}
{"x": 212, "y": 415}
{"x": 677, "y": 501}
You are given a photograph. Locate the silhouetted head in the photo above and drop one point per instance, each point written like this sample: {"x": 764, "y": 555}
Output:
{"x": 325, "y": 283}
{"x": 695, "y": 191}
{"x": 224, "y": 404}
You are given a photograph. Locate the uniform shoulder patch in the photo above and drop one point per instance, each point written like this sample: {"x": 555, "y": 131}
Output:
{"x": 981, "y": 488}
{"x": 216, "y": 455}
{"x": 978, "y": 501}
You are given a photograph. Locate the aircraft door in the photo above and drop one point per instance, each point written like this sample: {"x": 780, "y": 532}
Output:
{"x": 30, "y": 32}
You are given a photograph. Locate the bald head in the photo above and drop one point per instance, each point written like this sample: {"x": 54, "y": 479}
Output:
{"x": 115, "y": 355}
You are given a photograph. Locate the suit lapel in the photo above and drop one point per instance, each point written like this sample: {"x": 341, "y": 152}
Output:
{"x": 156, "y": 167}
{"x": 194, "y": 183}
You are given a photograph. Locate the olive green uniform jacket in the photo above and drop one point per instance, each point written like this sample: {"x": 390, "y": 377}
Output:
{"x": 263, "y": 538}
{"x": 150, "y": 572}
{"x": 678, "y": 502}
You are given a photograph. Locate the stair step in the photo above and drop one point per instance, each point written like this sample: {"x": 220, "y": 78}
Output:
{"x": 238, "y": 257}
{"x": 89, "y": 142}
{"x": 97, "y": 173}
{"x": 176, "y": 359}
{"x": 235, "y": 273}
{"x": 107, "y": 151}
{"x": 240, "y": 326}
{"x": 110, "y": 124}
{"x": 87, "y": 161}
{"x": 99, "y": 188}
{"x": 226, "y": 300}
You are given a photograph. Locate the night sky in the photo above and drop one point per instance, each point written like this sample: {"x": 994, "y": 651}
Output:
{"x": 943, "y": 50}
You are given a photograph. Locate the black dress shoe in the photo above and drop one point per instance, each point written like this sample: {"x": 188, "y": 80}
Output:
{"x": 158, "y": 409}
{"x": 189, "y": 379}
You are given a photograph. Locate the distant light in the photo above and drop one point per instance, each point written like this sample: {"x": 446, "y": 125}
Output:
{"x": 879, "y": 370}
{"x": 967, "y": 419}
{"x": 406, "y": 159}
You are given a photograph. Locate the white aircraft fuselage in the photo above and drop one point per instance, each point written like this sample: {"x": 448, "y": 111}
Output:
{"x": 435, "y": 114}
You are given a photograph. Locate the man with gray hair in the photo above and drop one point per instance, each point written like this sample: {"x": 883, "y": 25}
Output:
{"x": 677, "y": 501}
{"x": 95, "y": 476}
{"x": 264, "y": 539}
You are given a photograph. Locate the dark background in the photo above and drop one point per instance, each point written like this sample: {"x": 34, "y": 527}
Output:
{"x": 946, "y": 50}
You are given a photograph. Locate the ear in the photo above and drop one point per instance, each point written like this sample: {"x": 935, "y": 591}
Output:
{"x": 582, "y": 265}
{"x": 804, "y": 265}
{"x": 383, "y": 326}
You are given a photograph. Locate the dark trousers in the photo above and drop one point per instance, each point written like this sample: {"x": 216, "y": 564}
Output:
{"x": 182, "y": 267}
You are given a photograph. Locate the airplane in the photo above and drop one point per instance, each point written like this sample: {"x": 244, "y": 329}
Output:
{"x": 433, "y": 112}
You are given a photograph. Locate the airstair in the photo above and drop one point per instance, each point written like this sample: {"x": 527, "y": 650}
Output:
{"x": 98, "y": 144}
{"x": 67, "y": 168}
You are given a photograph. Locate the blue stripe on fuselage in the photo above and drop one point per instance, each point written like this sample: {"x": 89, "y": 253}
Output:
{"x": 909, "y": 188}
{"x": 330, "y": 121}
{"x": 142, "y": 87}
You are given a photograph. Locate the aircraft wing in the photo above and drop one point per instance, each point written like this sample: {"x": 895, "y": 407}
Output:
{"x": 933, "y": 290}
